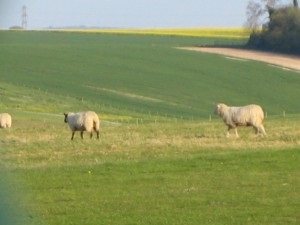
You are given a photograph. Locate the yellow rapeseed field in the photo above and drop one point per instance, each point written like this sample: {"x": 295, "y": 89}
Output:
{"x": 192, "y": 32}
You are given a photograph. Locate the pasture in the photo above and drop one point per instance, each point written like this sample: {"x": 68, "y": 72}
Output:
{"x": 162, "y": 157}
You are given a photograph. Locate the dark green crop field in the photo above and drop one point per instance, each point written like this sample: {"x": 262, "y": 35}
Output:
{"x": 162, "y": 157}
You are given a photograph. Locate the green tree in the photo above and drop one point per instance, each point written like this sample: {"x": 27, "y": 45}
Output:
{"x": 282, "y": 33}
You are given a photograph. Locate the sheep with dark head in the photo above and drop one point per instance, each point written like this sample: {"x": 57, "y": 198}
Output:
{"x": 5, "y": 120}
{"x": 83, "y": 121}
{"x": 249, "y": 115}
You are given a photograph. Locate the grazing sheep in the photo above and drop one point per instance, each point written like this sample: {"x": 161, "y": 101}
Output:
{"x": 83, "y": 121}
{"x": 249, "y": 115}
{"x": 5, "y": 120}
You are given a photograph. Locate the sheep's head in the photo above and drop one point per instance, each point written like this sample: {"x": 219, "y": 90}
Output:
{"x": 66, "y": 117}
{"x": 219, "y": 109}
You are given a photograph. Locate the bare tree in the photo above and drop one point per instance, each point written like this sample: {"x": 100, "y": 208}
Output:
{"x": 270, "y": 3}
{"x": 257, "y": 12}
{"x": 295, "y": 3}
{"x": 254, "y": 12}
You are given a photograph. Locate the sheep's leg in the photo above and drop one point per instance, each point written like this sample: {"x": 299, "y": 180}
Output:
{"x": 262, "y": 130}
{"x": 97, "y": 132}
{"x": 236, "y": 132}
{"x": 256, "y": 130}
{"x": 73, "y": 132}
{"x": 228, "y": 134}
{"x": 91, "y": 134}
{"x": 81, "y": 134}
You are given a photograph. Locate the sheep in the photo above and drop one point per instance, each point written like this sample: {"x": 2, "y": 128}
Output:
{"x": 5, "y": 120}
{"x": 83, "y": 121}
{"x": 249, "y": 115}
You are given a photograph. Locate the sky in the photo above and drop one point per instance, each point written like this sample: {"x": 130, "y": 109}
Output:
{"x": 124, "y": 13}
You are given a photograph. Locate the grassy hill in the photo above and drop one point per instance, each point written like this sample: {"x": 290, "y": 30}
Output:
{"x": 145, "y": 74}
{"x": 159, "y": 160}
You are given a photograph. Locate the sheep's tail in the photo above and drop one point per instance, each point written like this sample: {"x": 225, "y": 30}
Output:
{"x": 96, "y": 126}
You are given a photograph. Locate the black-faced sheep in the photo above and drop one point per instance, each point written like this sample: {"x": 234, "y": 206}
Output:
{"x": 249, "y": 115}
{"x": 5, "y": 120}
{"x": 83, "y": 121}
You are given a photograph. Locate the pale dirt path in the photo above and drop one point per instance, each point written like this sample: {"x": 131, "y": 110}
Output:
{"x": 286, "y": 61}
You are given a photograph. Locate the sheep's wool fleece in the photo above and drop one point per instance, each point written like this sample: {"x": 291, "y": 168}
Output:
{"x": 83, "y": 121}
{"x": 5, "y": 120}
{"x": 250, "y": 114}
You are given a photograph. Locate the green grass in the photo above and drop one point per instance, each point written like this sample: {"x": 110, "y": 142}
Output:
{"x": 159, "y": 159}
{"x": 163, "y": 173}
{"x": 208, "y": 189}
{"x": 145, "y": 74}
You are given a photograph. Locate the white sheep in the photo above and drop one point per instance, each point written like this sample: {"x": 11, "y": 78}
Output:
{"x": 83, "y": 121}
{"x": 5, "y": 120}
{"x": 249, "y": 115}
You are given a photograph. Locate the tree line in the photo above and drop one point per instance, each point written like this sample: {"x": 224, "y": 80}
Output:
{"x": 281, "y": 31}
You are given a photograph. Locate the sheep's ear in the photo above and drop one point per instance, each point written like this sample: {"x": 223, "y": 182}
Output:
{"x": 66, "y": 117}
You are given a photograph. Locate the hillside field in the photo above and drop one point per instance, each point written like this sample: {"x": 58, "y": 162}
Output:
{"x": 162, "y": 157}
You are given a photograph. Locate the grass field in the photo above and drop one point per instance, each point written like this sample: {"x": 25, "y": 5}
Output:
{"x": 160, "y": 160}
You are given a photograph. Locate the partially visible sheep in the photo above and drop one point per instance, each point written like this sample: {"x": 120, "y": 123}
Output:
{"x": 249, "y": 115}
{"x": 5, "y": 120}
{"x": 83, "y": 121}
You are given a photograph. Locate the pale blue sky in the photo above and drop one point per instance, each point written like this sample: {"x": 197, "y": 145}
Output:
{"x": 124, "y": 13}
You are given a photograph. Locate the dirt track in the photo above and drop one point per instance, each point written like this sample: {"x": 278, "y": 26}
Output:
{"x": 285, "y": 61}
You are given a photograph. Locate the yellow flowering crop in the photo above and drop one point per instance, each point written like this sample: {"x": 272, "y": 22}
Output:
{"x": 192, "y": 32}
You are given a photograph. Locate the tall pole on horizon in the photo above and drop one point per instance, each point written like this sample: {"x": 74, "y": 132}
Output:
{"x": 24, "y": 17}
